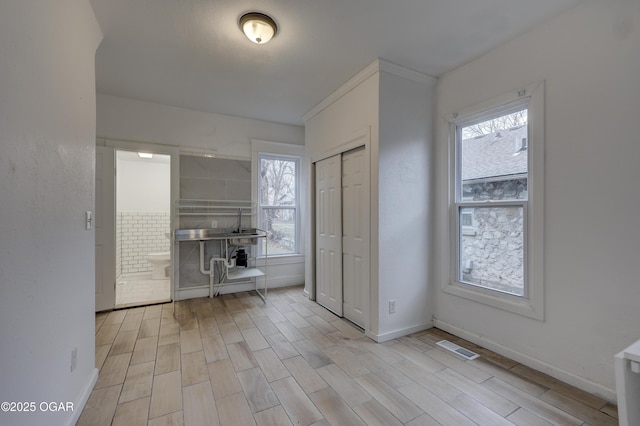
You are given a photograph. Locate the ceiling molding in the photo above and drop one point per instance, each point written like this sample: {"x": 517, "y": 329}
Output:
{"x": 350, "y": 84}
{"x": 406, "y": 73}
{"x": 379, "y": 65}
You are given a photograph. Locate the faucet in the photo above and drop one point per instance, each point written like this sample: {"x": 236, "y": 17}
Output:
{"x": 239, "y": 220}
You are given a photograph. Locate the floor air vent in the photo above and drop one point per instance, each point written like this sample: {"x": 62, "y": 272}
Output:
{"x": 465, "y": 353}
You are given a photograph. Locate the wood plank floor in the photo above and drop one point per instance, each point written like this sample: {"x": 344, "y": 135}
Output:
{"x": 235, "y": 360}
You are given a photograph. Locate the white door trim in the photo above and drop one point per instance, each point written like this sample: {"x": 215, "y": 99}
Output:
{"x": 105, "y": 279}
{"x": 174, "y": 152}
{"x": 360, "y": 138}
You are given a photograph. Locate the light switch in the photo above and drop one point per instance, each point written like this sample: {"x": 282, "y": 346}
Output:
{"x": 89, "y": 219}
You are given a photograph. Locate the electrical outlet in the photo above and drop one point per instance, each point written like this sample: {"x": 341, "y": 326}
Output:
{"x": 392, "y": 306}
{"x": 214, "y": 223}
{"x": 74, "y": 359}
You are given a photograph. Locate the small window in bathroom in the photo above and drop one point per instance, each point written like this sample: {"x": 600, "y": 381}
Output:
{"x": 278, "y": 203}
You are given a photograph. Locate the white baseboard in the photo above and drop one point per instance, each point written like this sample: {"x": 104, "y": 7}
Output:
{"x": 553, "y": 371}
{"x": 385, "y": 337}
{"x": 191, "y": 293}
{"x": 83, "y": 397}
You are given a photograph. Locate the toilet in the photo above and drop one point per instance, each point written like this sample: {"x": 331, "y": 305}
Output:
{"x": 160, "y": 263}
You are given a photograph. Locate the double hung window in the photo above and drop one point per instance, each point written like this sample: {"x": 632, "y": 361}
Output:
{"x": 491, "y": 200}
{"x": 496, "y": 223}
{"x": 278, "y": 203}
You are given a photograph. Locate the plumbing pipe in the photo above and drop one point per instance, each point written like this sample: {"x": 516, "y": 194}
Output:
{"x": 211, "y": 274}
{"x": 202, "y": 270}
{"x": 217, "y": 259}
{"x": 211, "y": 271}
{"x": 223, "y": 260}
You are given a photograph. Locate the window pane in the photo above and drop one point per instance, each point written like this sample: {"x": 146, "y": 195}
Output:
{"x": 493, "y": 158}
{"x": 493, "y": 256}
{"x": 280, "y": 225}
{"x": 277, "y": 182}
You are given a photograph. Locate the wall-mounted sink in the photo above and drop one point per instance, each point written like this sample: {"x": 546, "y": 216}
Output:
{"x": 245, "y": 237}
{"x": 199, "y": 234}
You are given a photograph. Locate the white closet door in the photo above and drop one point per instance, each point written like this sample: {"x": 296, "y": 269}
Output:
{"x": 329, "y": 234}
{"x": 104, "y": 229}
{"x": 355, "y": 235}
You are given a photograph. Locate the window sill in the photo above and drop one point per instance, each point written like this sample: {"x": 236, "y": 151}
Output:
{"x": 514, "y": 304}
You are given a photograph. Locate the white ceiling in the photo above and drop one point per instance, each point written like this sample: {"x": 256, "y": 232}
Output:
{"x": 191, "y": 53}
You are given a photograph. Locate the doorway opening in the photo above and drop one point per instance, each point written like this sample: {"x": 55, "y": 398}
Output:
{"x": 142, "y": 228}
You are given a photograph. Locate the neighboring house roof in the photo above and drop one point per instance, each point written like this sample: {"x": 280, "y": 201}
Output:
{"x": 492, "y": 155}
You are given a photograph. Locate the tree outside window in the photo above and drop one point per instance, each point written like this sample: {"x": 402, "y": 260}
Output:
{"x": 278, "y": 203}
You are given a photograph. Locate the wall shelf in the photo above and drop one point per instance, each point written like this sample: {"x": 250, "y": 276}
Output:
{"x": 241, "y": 274}
{"x": 187, "y": 207}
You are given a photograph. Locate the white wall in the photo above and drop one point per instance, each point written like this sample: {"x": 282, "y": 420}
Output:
{"x": 134, "y": 120}
{"x": 47, "y": 166}
{"x": 351, "y": 109}
{"x": 143, "y": 186}
{"x": 590, "y": 60}
{"x": 355, "y": 110}
{"x": 334, "y": 125}
{"x": 407, "y": 106}
{"x": 397, "y": 106}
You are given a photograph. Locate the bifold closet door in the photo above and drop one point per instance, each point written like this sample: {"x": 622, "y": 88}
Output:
{"x": 328, "y": 197}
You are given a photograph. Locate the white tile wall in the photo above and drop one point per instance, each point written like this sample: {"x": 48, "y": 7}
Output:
{"x": 118, "y": 245}
{"x": 140, "y": 233}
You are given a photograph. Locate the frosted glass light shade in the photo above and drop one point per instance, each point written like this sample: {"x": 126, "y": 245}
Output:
{"x": 258, "y": 28}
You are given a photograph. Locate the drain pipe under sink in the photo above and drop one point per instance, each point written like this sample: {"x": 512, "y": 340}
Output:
{"x": 211, "y": 270}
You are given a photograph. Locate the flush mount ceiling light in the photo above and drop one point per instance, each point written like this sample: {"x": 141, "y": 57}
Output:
{"x": 145, "y": 155}
{"x": 258, "y": 27}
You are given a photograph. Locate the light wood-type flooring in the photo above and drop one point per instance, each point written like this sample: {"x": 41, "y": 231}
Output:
{"x": 235, "y": 360}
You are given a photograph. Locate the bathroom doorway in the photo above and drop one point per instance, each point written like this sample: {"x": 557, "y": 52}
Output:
{"x": 142, "y": 228}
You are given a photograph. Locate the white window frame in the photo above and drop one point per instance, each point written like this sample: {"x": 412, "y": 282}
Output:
{"x": 295, "y": 207}
{"x": 288, "y": 152}
{"x": 531, "y": 304}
